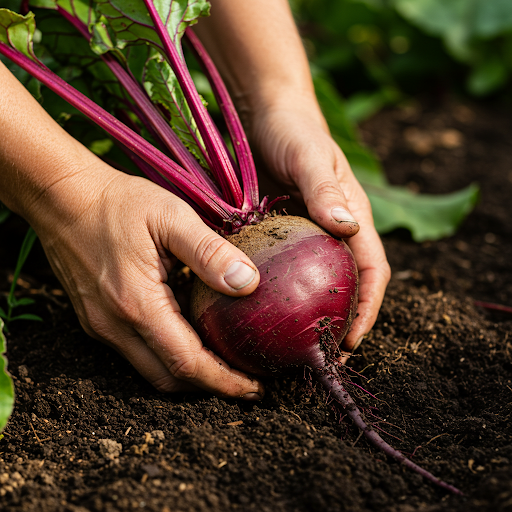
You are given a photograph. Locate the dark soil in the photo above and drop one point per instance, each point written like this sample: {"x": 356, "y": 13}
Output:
{"x": 440, "y": 367}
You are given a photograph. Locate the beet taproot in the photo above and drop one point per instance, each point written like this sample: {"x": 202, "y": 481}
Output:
{"x": 298, "y": 315}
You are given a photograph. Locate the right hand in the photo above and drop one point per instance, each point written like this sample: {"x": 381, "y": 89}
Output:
{"x": 300, "y": 156}
{"x": 112, "y": 240}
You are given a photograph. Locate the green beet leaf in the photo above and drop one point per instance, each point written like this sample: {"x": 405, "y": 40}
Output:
{"x": 73, "y": 53}
{"x": 18, "y": 31}
{"x": 123, "y": 24}
{"x": 459, "y": 22}
{"x": 131, "y": 23}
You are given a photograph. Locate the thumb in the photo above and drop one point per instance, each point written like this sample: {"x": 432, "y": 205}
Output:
{"x": 325, "y": 200}
{"x": 217, "y": 262}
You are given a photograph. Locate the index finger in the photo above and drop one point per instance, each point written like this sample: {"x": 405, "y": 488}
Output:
{"x": 374, "y": 275}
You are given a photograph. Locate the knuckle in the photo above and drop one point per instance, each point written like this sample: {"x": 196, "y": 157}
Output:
{"x": 125, "y": 308}
{"x": 185, "y": 368}
{"x": 116, "y": 295}
{"x": 176, "y": 213}
{"x": 149, "y": 307}
{"x": 133, "y": 303}
{"x": 326, "y": 188}
{"x": 171, "y": 222}
{"x": 92, "y": 319}
{"x": 210, "y": 250}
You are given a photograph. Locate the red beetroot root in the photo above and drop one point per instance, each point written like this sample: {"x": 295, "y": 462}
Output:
{"x": 298, "y": 315}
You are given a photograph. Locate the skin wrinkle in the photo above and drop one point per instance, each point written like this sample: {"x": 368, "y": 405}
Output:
{"x": 159, "y": 307}
{"x": 171, "y": 214}
{"x": 185, "y": 368}
{"x": 208, "y": 249}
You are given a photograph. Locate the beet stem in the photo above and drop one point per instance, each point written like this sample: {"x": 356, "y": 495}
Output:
{"x": 233, "y": 123}
{"x": 222, "y": 166}
{"x": 149, "y": 112}
{"x": 331, "y": 381}
{"x": 491, "y": 305}
{"x": 134, "y": 142}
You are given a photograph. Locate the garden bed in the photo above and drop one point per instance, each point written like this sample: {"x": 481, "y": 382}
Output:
{"x": 440, "y": 367}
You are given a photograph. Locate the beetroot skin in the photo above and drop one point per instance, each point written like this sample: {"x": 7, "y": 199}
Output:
{"x": 301, "y": 310}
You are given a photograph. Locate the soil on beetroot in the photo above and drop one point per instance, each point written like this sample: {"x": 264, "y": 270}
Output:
{"x": 440, "y": 368}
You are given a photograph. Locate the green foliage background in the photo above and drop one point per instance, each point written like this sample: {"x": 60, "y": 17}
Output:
{"x": 395, "y": 47}
{"x": 6, "y": 385}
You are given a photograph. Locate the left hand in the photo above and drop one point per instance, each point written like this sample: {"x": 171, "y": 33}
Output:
{"x": 298, "y": 153}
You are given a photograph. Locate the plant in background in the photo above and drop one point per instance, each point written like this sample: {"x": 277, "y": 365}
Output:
{"x": 477, "y": 33}
{"x": 12, "y": 302}
{"x": 372, "y": 54}
{"x": 379, "y": 50}
{"x": 6, "y": 385}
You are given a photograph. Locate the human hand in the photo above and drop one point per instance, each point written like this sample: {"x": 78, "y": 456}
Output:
{"x": 297, "y": 152}
{"x": 112, "y": 240}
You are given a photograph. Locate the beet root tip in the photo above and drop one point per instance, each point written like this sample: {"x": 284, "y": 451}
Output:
{"x": 332, "y": 382}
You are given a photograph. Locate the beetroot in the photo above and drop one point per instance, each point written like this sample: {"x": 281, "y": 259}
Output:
{"x": 302, "y": 308}
{"x": 298, "y": 315}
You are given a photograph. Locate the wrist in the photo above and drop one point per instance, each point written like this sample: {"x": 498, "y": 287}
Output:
{"x": 268, "y": 105}
{"x": 40, "y": 163}
{"x": 63, "y": 201}
{"x": 261, "y": 57}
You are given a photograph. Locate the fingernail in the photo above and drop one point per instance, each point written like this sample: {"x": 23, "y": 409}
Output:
{"x": 239, "y": 275}
{"x": 358, "y": 342}
{"x": 341, "y": 215}
{"x": 252, "y": 396}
